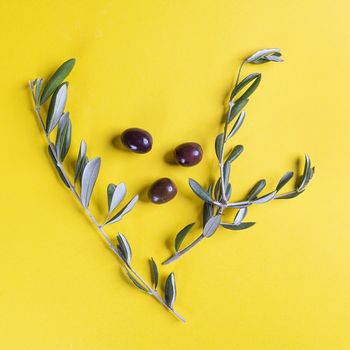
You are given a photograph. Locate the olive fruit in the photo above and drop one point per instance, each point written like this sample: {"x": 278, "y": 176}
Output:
{"x": 137, "y": 140}
{"x": 162, "y": 191}
{"x": 188, "y": 154}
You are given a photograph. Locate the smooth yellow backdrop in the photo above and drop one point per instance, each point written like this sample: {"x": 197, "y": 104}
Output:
{"x": 167, "y": 66}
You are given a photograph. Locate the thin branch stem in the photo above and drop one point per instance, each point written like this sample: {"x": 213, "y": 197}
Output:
{"x": 150, "y": 290}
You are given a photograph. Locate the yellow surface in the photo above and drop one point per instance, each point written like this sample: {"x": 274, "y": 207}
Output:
{"x": 167, "y": 66}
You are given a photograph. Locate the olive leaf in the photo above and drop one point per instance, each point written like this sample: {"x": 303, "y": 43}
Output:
{"x": 56, "y": 79}
{"x": 254, "y": 79}
{"x": 234, "y": 154}
{"x": 115, "y": 195}
{"x": 170, "y": 291}
{"x": 88, "y": 180}
{"x": 181, "y": 236}
{"x": 237, "y": 107}
{"x": 211, "y": 226}
{"x": 155, "y": 273}
{"x": 257, "y": 188}
{"x": 81, "y": 161}
{"x": 124, "y": 248}
{"x": 59, "y": 171}
{"x": 208, "y": 209}
{"x": 285, "y": 178}
{"x": 268, "y": 197}
{"x": 228, "y": 191}
{"x": 262, "y": 54}
{"x": 241, "y": 214}
{"x": 237, "y": 125}
{"x": 199, "y": 191}
{"x": 135, "y": 281}
{"x": 56, "y": 107}
{"x": 241, "y": 226}
{"x": 306, "y": 174}
{"x": 63, "y": 137}
{"x": 226, "y": 174}
{"x": 218, "y": 145}
{"x": 128, "y": 207}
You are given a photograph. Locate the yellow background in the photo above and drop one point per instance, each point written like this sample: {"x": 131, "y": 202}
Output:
{"x": 167, "y": 66}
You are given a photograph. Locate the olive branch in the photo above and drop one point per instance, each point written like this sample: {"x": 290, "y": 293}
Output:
{"x": 85, "y": 176}
{"x": 217, "y": 197}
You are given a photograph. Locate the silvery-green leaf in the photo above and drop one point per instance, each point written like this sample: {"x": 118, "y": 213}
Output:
{"x": 237, "y": 107}
{"x": 124, "y": 211}
{"x": 181, "y": 236}
{"x": 115, "y": 196}
{"x": 217, "y": 190}
{"x": 228, "y": 191}
{"x": 155, "y": 273}
{"x": 268, "y": 197}
{"x": 208, "y": 210}
{"x": 288, "y": 195}
{"x": 257, "y": 188}
{"x": 240, "y": 216}
{"x": 59, "y": 171}
{"x": 238, "y": 205}
{"x": 226, "y": 174}
{"x": 261, "y": 54}
{"x": 285, "y": 178}
{"x": 170, "y": 291}
{"x": 312, "y": 172}
{"x": 88, "y": 180}
{"x": 306, "y": 173}
{"x": 81, "y": 161}
{"x": 218, "y": 145}
{"x": 273, "y": 58}
{"x": 124, "y": 249}
{"x": 254, "y": 79}
{"x": 237, "y": 125}
{"x": 235, "y": 153}
{"x": 211, "y": 226}
{"x": 241, "y": 226}
{"x": 56, "y": 108}
{"x": 199, "y": 191}
{"x": 38, "y": 86}
{"x": 57, "y": 78}
{"x": 63, "y": 137}
{"x": 135, "y": 281}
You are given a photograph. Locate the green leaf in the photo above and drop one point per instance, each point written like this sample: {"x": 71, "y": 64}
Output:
{"x": 228, "y": 191}
{"x": 257, "y": 188}
{"x": 226, "y": 174}
{"x": 252, "y": 79}
{"x": 237, "y": 107}
{"x": 241, "y": 226}
{"x": 289, "y": 195}
{"x": 56, "y": 108}
{"x": 63, "y": 137}
{"x": 208, "y": 209}
{"x": 218, "y": 145}
{"x": 217, "y": 190}
{"x": 234, "y": 154}
{"x": 285, "y": 178}
{"x": 199, "y": 191}
{"x": 59, "y": 171}
{"x": 135, "y": 281}
{"x": 88, "y": 180}
{"x": 57, "y": 78}
{"x": 237, "y": 125}
{"x": 181, "y": 236}
{"x": 211, "y": 226}
{"x": 128, "y": 207}
{"x": 155, "y": 273}
{"x": 81, "y": 161}
{"x": 170, "y": 291}
{"x": 266, "y": 198}
{"x": 115, "y": 195}
{"x": 124, "y": 249}
{"x": 261, "y": 56}
{"x": 241, "y": 214}
{"x": 306, "y": 174}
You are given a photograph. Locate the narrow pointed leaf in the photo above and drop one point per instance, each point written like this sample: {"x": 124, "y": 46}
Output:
{"x": 237, "y": 125}
{"x": 257, "y": 188}
{"x": 237, "y": 107}
{"x": 56, "y": 108}
{"x": 218, "y": 145}
{"x": 88, "y": 180}
{"x": 199, "y": 191}
{"x": 261, "y": 54}
{"x": 285, "y": 178}
{"x": 211, "y": 226}
{"x": 268, "y": 197}
{"x": 135, "y": 281}
{"x": 170, "y": 291}
{"x": 235, "y": 153}
{"x": 305, "y": 177}
{"x": 241, "y": 226}
{"x": 124, "y": 248}
{"x": 252, "y": 79}
{"x": 208, "y": 210}
{"x": 56, "y": 79}
{"x": 228, "y": 191}
{"x": 226, "y": 174}
{"x": 81, "y": 161}
{"x": 59, "y": 171}
{"x": 289, "y": 195}
{"x": 181, "y": 236}
{"x": 63, "y": 138}
{"x": 115, "y": 196}
{"x": 240, "y": 216}
{"x": 128, "y": 207}
{"x": 155, "y": 273}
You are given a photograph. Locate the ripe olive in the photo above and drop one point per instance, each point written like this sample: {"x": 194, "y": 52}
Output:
{"x": 188, "y": 154}
{"x": 162, "y": 191}
{"x": 137, "y": 140}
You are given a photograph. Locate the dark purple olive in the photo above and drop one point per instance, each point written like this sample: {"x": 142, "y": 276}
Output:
{"x": 137, "y": 140}
{"x": 162, "y": 191}
{"x": 188, "y": 154}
